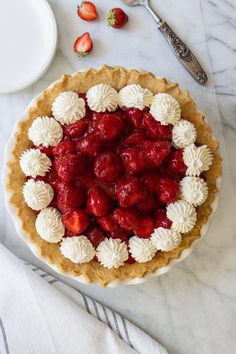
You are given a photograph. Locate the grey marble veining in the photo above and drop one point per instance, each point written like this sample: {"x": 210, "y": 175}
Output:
{"x": 192, "y": 309}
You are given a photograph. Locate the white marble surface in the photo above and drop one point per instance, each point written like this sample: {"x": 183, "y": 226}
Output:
{"x": 192, "y": 309}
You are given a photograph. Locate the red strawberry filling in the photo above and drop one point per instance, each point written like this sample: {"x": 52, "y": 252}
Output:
{"x": 113, "y": 175}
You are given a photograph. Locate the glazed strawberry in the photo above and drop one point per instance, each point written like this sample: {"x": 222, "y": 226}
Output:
{"x": 161, "y": 219}
{"x": 121, "y": 234}
{"x": 108, "y": 167}
{"x": 77, "y": 129}
{"x": 40, "y": 178}
{"x": 135, "y": 138}
{"x": 145, "y": 227}
{"x": 151, "y": 180}
{"x": 83, "y": 45}
{"x": 46, "y": 150}
{"x": 122, "y": 114}
{"x": 69, "y": 197}
{"x": 95, "y": 235}
{"x": 76, "y": 221}
{"x": 156, "y": 151}
{"x": 117, "y": 18}
{"x": 84, "y": 96}
{"x": 53, "y": 178}
{"x": 110, "y": 126}
{"x": 148, "y": 204}
{"x": 70, "y": 166}
{"x": 107, "y": 223}
{"x": 155, "y": 130}
{"x": 63, "y": 148}
{"x": 168, "y": 191}
{"x": 87, "y": 11}
{"x": 176, "y": 162}
{"x": 91, "y": 145}
{"x": 130, "y": 260}
{"x": 130, "y": 191}
{"x": 98, "y": 202}
{"x": 135, "y": 117}
{"x": 127, "y": 218}
{"x": 109, "y": 188}
{"x": 133, "y": 159}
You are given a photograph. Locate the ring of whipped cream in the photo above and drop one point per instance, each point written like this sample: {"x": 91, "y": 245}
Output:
{"x": 68, "y": 108}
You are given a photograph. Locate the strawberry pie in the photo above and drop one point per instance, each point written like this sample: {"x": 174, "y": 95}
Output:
{"x": 113, "y": 173}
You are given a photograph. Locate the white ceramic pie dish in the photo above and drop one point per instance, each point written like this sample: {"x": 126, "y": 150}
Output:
{"x": 81, "y": 279}
{"x": 28, "y": 36}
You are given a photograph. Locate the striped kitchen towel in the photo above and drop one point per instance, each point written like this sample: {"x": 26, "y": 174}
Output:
{"x": 41, "y": 315}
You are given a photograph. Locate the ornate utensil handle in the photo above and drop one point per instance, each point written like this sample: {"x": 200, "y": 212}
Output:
{"x": 184, "y": 54}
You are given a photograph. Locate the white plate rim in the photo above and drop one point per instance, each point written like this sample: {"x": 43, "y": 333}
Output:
{"x": 51, "y": 54}
{"x": 112, "y": 284}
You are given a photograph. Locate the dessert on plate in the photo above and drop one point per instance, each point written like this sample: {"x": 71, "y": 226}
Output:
{"x": 113, "y": 173}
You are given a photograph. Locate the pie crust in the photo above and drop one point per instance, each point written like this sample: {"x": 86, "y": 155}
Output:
{"x": 80, "y": 82}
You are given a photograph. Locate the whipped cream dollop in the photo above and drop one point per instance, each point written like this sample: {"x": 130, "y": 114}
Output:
{"x": 37, "y": 194}
{"x": 112, "y": 253}
{"x": 49, "y": 225}
{"x": 68, "y": 108}
{"x": 46, "y": 131}
{"x": 184, "y": 134}
{"x": 102, "y": 98}
{"x": 165, "y": 239}
{"x": 78, "y": 249}
{"x": 183, "y": 216}
{"x": 197, "y": 159}
{"x": 141, "y": 249}
{"x": 194, "y": 190}
{"x": 34, "y": 163}
{"x": 165, "y": 109}
{"x": 135, "y": 96}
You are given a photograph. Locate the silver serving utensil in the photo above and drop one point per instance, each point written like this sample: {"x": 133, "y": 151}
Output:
{"x": 183, "y": 53}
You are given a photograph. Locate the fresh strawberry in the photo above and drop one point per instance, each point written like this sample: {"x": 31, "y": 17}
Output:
{"x": 87, "y": 11}
{"x": 83, "y": 45}
{"x": 117, "y": 18}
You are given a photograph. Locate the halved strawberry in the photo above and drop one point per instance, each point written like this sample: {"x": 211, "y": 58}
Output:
{"x": 83, "y": 45}
{"x": 87, "y": 11}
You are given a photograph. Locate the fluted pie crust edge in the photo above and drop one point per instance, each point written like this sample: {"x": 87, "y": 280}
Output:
{"x": 80, "y": 82}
